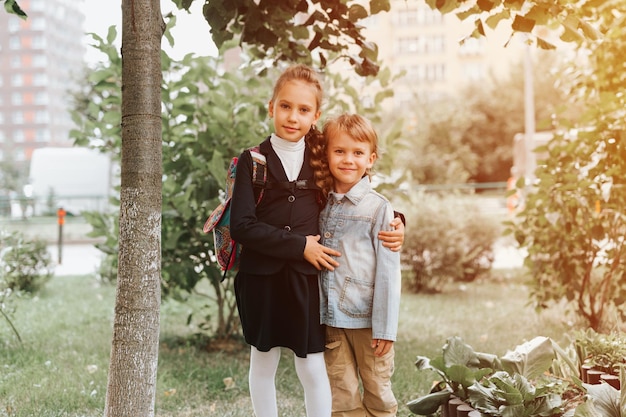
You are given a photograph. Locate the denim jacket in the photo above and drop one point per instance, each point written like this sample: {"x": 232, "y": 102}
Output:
{"x": 364, "y": 290}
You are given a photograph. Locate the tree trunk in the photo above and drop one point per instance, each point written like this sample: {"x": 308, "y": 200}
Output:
{"x": 131, "y": 389}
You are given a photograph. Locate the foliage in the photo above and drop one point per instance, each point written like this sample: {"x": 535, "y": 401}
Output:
{"x": 7, "y": 307}
{"x": 313, "y": 30}
{"x": 602, "y": 351}
{"x": 515, "y": 385}
{"x": 573, "y": 221}
{"x": 495, "y": 116}
{"x": 502, "y": 394}
{"x": 11, "y": 6}
{"x": 436, "y": 136}
{"x": 448, "y": 239}
{"x": 25, "y": 265}
{"x": 603, "y": 400}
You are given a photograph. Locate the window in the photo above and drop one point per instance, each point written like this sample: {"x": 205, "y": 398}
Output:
{"x": 41, "y": 116}
{"x": 39, "y": 42}
{"x": 38, "y": 23}
{"x": 19, "y": 155}
{"x": 17, "y": 117}
{"x": 14, "y": 24}
{"x": 471, "y": 46}
{"x": 16, "y": 62}
{"x": 422, "y": 16}
{"x": 16, "y": 99}
{"x": 431, "y": 44}
{"x": 38, "y": 5}
{"x": 473, "y": 71}
{"x": 40, "y": 79}
{"x": 14, "y": 42}
{"x": 42, "y": 135}
{"x": 17, "y": 80}
{"x": 40, "y": 61}
{"x": 18, "y": 136}
{"x": 41, "y": 97}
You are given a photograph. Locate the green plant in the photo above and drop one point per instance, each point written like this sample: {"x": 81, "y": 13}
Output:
{"x": 25, "y": 264}
{"x": 603, "y": 351}
{"x": 604, "y": 400}
{"x": 7, "y": 308}
{"x": 514, "y": 385}
{"x": 448, "y": 240}
{"x": 573, "y": 223}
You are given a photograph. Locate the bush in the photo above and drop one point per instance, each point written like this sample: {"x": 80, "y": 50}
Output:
{"x": 25, "y": 265}
{"x": 447, "y": 240}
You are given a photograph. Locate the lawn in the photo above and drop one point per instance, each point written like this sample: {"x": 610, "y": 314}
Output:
{"x": 60, "y": 369}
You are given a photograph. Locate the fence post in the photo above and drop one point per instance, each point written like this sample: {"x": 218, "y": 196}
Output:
{"x": 61, "y": 221}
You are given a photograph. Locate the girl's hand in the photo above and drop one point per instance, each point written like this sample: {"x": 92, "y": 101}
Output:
{"x": 319, "y": 255}
{"x": 393, "y": 239}
{"x": 381, "y": 347}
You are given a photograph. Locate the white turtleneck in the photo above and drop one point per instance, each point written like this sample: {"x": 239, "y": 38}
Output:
{"x": 291, "y": 154}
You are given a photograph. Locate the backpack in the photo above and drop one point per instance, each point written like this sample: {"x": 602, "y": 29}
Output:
{"x": 226, "y": 249}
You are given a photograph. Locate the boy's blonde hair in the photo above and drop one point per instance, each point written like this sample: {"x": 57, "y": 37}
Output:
{"x": 358, "y": 127}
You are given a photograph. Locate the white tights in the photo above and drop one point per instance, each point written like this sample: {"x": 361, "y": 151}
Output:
{"x": 311, "y": 373}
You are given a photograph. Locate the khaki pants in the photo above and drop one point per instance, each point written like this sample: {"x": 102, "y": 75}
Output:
{"x": 349, "y": 356}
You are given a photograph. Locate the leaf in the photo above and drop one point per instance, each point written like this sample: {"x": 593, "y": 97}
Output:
{"x": 377, "y": 6}
{"x": 543, "y": 44}
{"x": 539, "y": 14}
{"x": 530, "y": 359}
{"x": 485, "y": 5}
{"x": 12, "y": 7}
{"x": 456, "y": 352}
{"x": 522, "y": 24}
{"x": 605, "y": 398}
{"x": 587, "y": 409}
{"x": 216, "y": 166}
{"x": 493, "y": 20}
{"x": 357, "y": 12}
{"x": 590, "y": 31}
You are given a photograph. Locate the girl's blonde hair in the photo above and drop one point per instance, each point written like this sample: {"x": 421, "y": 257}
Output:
{"x": 300, "y": 72}
{"x": 357, "y": 127}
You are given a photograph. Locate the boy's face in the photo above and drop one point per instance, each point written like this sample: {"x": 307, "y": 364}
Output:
{"x": 294, "y": 110}
{"x": 348, "y": 160}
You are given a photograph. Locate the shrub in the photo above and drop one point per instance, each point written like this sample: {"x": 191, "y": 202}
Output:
{"x": 25, "y": 265}
{"x": 447, "y": 240}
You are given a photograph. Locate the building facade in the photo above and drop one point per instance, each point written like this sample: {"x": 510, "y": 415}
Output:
{"x": 40, "y": 61}
{"x": 435, "y": 52}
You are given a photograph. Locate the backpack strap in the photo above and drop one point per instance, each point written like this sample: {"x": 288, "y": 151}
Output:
{"x": 259, "y": 173}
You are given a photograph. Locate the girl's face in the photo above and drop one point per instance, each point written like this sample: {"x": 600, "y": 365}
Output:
{"x": 294, "y": 110}
{"x": 348, "y": 160}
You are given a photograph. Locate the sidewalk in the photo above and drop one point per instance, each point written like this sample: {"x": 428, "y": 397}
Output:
{"x": 76, "y": 259}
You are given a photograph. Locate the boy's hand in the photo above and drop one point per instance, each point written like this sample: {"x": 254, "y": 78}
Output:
{"x": 381, "y": 347}
{"x": 393, "y": 239}
{"x": 319, "y": 255}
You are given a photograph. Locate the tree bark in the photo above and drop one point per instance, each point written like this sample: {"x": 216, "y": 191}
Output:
{"x": 131, "y": 389}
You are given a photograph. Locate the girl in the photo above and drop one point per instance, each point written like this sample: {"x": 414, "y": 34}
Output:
{"x": 360, "y": 300}
{"x": 277, "y": 284}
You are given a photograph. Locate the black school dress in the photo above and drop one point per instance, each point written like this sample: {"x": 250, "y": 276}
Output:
{"x": 276, "y": 289}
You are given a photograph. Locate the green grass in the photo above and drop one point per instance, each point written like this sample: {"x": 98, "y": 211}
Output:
{"x": 61, "y": 367}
